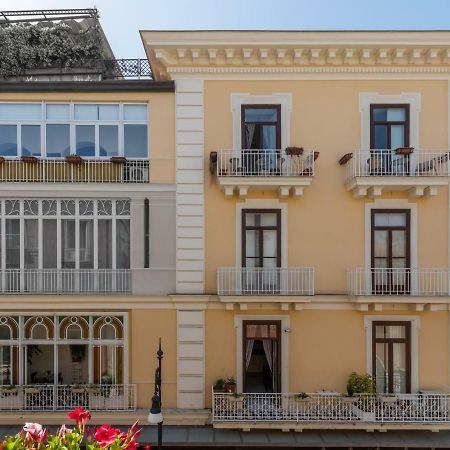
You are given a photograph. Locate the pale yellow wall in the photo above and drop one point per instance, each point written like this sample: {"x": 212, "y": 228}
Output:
{"x": 326, "y": 225}
{"x": 161, "y": 121}
{"x": 326, "y": 346}
{"x": 146, "y": 327}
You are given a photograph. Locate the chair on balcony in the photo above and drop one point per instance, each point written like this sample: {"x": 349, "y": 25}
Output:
{"x": 432, "y": 165}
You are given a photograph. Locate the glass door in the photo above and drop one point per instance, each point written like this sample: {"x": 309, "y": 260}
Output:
{"x": 261, "y": 250}
{"x": 391, "y": 356}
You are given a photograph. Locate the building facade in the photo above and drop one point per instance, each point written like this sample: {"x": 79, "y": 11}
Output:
{"x": 273, "y": 205}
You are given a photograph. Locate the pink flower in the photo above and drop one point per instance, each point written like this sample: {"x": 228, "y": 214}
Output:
{"x": 105, "y": 435}
{"x": 147, "y": 447}
{"x": 80, "y": 416}
{"x": 35, "y": 432}
{"x": 62, "y": 431}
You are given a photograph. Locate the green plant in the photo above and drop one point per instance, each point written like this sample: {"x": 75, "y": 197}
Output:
{"x": 360, "y": 384}
{"x": 301, "y": 396}
{"x": 230, "y": 380}
{"x": 219, "y": 384}
{"x": 238, "y": 396}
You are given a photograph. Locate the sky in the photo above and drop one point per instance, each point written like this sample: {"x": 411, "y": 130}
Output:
{"x": 122, "y": 19}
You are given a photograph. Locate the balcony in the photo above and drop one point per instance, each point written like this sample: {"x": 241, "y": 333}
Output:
{"x": 371, "y": 172}
{"x": 49, "y": 397}
{"x": 151, "y": 281}
{"x": 284, "y": 171}
{"x": 79, "y": 171}
{"x": 261, "y": 281}
{"x": 290, "y": 411}
{"x": 398, "y": 282}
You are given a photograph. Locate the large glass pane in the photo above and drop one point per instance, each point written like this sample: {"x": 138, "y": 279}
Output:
{"x": 269, "y": 140}
{"x": 399, "y": 367}
{"x": 12, "y": 250}
{"x": 58, "y": 112}
{"x": 104, "y": 244}
{"x": 381, "y": 244}
{"x": 20, "y": 111}
{"x": 68, "y": 244}
{"x": 110, "y": 365}
{"x": 86, "y": 112}
{"x": 268, "y": 219}
{"x": 31, "y": 244}
{"x": 252, "y": 243}
{"x": 396, "y": 114}
{"x": 49, "y": 247}
{"x": 109, "y": 140}
{"x": 108, "y": 112}
{"x": 135, "y": 141}
{"x": 123, "y": 244}
{"x": 135, "y": 112}
{"x": 260, "y": 114}
{"x": 380, "y": 114}
{"x": 398, "y": 243}
{"x": 57, "y": 140}
{"x": 381, "y": 368}
{"x": 397, "y": 136}
{"x": 270, "y": 243}
{"x": 395, "y": 331}
{"x": 86, "y": 244}
{"x": 380, "y": 137}
{"x": 390, "y": 219}
{"x": 8, "y": 140}
{"x": 73, "y": 364}
{"x": 85, "y": 140}
{"x": 39, "y": 364}
{"x": 31, "y": 140}
{"x": 6, "y": 368}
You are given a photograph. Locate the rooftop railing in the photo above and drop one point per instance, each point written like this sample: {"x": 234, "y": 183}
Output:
{"x": 398, "y": 163}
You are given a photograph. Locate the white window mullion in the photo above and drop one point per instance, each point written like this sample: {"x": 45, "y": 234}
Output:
{"x": 58, "y": 235}
{"x": 19, "y": 139}
{"x": 97, "y": 140}
{"x": 113, "y": 243}
{"x": 95, "y": 242}
{"x": 91, "y": 351}
{"x": 121, "y": 131}
{"x": 40, "y": 237}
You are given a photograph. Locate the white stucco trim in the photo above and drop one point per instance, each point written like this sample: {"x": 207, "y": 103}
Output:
{"x": 415, "y": 326}
{"x": 285, "y": 330}
{"x": 283, "y": 99}
{"x": 411, "y": 98}
{"x": 391, "y": 204}
{"x": 262, "y": 204}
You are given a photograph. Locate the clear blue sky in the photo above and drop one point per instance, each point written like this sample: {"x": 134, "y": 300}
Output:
{"x": 122, "y": 19}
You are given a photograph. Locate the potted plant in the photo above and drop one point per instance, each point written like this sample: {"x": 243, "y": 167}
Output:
{"x": 77, "y": 352}
{"x": 404, "y": 150}
{"x": 78, "y": 388}
{"x": 302, "y": 397}
{"x": 364, "y": 386}
{"x": 230, "y": 385}
{"x": 74, "y": 159}
{"x": 237, "y": 397}
{"x": 219, "y": 385}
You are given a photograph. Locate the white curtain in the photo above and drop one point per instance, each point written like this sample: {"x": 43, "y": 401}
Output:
{"x": 248, "y": 352}
{"x": 268, "y": 350}
{"x": 249, "y": 133}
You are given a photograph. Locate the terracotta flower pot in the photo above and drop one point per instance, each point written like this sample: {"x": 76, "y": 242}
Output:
{"x": 404, "y": 150}
{"x": 29, "y": 159}
{"x": 118, "y": 159}
{"x": 294, "y": 151}
{"x": 74, "y": 159}
{"x": 345, "y": 159}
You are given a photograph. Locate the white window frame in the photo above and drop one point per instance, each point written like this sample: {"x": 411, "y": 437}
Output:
{"x": 413, "y": 99}
{"x": 120, "y": 123}
{"x": 283, "y": 99}
{"x": 415, "y": 326}
{"x": 95, "y": 217}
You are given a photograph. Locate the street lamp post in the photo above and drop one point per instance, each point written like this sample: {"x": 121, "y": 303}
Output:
{"x": 155, "y": 415}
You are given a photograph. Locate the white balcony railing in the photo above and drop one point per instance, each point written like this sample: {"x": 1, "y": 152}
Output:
{"x": 330, "y": 407}
{"x": 65, "y": 281}
{"x": 379, "y": 281}
{"x": 265, "y": 281}
{"x": 87, "y": 171}
{"x": 389, "y": 163}
{"x": 265, "y": 163}
{"x": 108, "y": 397}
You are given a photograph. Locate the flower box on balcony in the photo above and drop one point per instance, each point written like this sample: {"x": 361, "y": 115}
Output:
{"x": 294, "y": 151}
{"x": 118, "y": 159}
{"x": 302, "y": 398}
{"x": 404, "y": 150}
{"x": 345, "y": 159}
{"x": 74, "y": 159}
{"x": 29, "y": 159}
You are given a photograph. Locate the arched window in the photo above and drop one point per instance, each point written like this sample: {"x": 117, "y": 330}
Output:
{"x": 39, "y": 331}
{"x": 74, "y": 327}
{"x": 108, "y": 328}
{"x": 39, "y": 327}
{"x": 5, "y": 332}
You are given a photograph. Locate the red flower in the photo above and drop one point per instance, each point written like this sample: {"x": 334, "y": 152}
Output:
{"x": 147, "y": 447}
{"x": 35, "y": 432}
{"x": 80, "y": 416}
{"x": 106, "y": 435}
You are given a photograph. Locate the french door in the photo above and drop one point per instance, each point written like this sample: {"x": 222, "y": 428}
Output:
{"x": 391, "y": 356}
{"x": 261, "y": 356}
{"x": 390, "y": 248}
{"x": 261, "y": 250}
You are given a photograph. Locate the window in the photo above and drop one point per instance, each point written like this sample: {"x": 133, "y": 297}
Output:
{"x": 389, "y": 126}
{"x": 391, "y": 356}
{"x": 69, "y": 234}
{"x": 390, "y": 255}
{"x": 261, "y": 127}
{"x": 56, "y": 130}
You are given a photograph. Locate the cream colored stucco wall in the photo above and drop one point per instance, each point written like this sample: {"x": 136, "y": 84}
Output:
{"x": 326, "y": 225}
{"x": 161, "y": 121}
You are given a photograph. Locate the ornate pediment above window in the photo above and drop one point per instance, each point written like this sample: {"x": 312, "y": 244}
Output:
{"x": 296, "y": 51}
